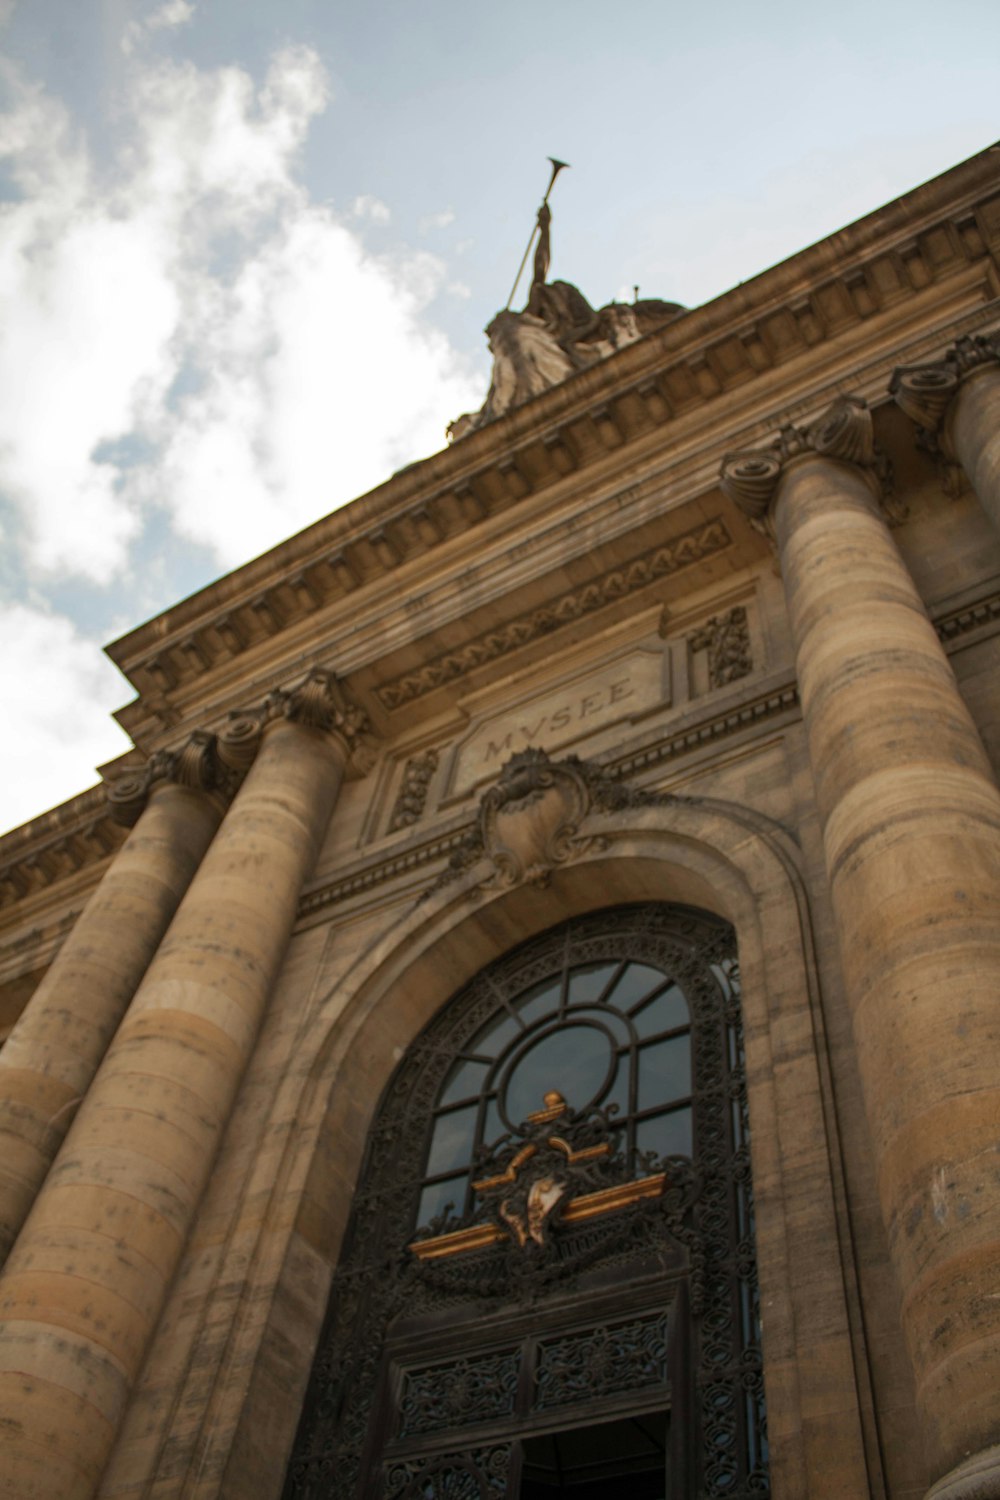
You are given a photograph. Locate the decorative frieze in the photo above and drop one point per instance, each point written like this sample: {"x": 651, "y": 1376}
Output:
{"x": 705, "y": 541}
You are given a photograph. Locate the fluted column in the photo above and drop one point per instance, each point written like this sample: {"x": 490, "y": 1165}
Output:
{"x": 57, "y": 1044}
{"x": 83, "y": 1288}
{"x": 955, "y": 403}
{"x": 911, "y": 828}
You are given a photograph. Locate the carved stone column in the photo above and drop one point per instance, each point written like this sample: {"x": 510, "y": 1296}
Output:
{"x": 83, "y": 1288}
{"x": 54, "y": 1050}
{"x": 955, "y": 403}
{"x": 911, "y": 826}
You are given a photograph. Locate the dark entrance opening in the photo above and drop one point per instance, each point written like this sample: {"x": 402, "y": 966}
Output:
{"x": 601, "y": 1461}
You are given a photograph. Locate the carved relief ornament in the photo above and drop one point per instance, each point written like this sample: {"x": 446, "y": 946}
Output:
{"x": 844, "y": 432}
{"x": 531, "y": 820}
{"x": 218, "y": 762}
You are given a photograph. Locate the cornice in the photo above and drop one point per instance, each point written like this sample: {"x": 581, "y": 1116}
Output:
{"x": 885, "y": 260}
{"x": 72, "y": 838}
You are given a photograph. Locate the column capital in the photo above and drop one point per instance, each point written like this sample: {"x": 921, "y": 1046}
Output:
{"x": 195, "y": 763}
{"x": 217, "y": 763}
{"x": 925, "y": 392}
{"x": 844, "y": 432}
{"x": 319, "y": 701}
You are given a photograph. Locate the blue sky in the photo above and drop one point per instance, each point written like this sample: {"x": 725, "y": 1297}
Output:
{"x": 248, "y": 248}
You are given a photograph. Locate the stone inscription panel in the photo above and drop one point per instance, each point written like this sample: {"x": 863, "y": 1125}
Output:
{"x": 572, "y": 710}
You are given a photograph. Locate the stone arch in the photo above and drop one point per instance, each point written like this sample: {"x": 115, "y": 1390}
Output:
{"x": 699, "y": 852}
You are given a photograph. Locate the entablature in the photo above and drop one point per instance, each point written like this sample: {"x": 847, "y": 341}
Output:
{"x": 365, "y": 582}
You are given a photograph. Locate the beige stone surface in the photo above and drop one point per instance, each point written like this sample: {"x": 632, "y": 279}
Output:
{"x": 52, "y": 1054}
{"x": 123, "y": 1190}
{"x": 911, "y": 817}
{"x": 973, "y": 431}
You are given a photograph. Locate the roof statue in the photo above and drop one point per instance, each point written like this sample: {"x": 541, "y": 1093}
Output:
{"x": 556, "y": 333}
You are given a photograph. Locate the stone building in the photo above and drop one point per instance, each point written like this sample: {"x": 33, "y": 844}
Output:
{"x": 528, "y": 1003}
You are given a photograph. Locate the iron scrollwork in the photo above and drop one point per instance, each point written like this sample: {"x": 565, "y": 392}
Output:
{"x": 477, "y": 1475}
{"x": 468, "y": 1390}
{"x": 602, "y": 1361}
{"x": 699, "y": 1230}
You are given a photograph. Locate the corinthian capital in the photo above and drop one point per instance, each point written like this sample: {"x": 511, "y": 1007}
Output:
{"x": 844, "y": 432}
{"x": 925, "y": 392}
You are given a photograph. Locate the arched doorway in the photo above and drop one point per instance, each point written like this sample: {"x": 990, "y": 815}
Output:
{"x": 548, "y": 1287}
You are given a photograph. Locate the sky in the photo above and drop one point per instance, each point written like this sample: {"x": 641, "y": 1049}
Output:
{"x": 248, "y": 249}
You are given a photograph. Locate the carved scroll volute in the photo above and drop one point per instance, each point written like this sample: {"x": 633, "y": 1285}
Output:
{"x": 749, "y": 479}
{"x": 127, "y": 795}
{"x": 240, "y": 740}
{"x": 530, "y": 821}
{"x": 193, "y": 765}
{"x": 925, "y": 392}
{"x": 845, "y": 432}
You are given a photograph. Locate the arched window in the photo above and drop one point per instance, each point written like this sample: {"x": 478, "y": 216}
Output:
{"x": 548, "y": 1287}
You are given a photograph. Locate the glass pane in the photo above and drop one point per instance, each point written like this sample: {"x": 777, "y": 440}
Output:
{"x": 435, "y": 1199}
{"x": 496, "y": 1034}
{"x": 539, "y": 1001}
{"x": 493, "y": 1127}
{"x": 635, "y": 984}
{"x": 618, "y": 1092}
{"x": 665, "y": 1071}
{"x": 588, "y": 982}
{"x": 575, "y": 1060}
{"x": 451, "y": 1145}
{"x": 662, "y": 1014}
{"x": 465, "y": 1081}
{"x": 667, "y": 1135}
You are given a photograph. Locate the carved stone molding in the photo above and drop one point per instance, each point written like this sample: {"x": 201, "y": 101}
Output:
{"x": 417, "y": 776}
{"x": 530, "y": 820}
{"x": 679, "y": 553}
{"x": 844, "y": 432}
{"x": 925, "y": 392}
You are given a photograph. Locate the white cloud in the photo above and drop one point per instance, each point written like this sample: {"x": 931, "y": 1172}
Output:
{"x": 172, "y": 14}
{"x": 190, "y": 331}
{"x": 58, "y": 691}
{"x": 186, "y": 332}
{"x": 437, "y": 221}
{"x": 367, "y": 207}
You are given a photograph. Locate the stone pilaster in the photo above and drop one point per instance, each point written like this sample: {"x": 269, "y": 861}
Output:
{"x": 955, "y": 403}
{"x": 911, "y": 820}
{"x": 83, "y": 1288}
{"x": 57, "y": 1044}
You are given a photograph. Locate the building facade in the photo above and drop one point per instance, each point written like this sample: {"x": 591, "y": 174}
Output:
{"x": 522, "y": 1020}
